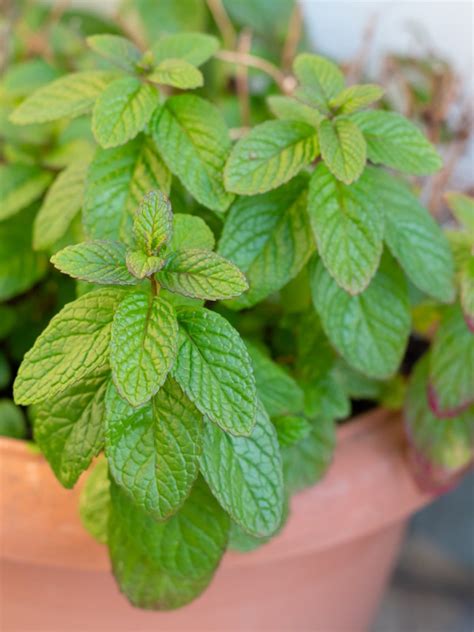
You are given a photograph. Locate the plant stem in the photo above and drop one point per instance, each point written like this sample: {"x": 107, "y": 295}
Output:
{"x": 155, "y": 288}
{"x": 252, "y": 61}
{"x": 292, "y": 38}
{"x": 223, "y": 22}
{"x": 242, "y": 80}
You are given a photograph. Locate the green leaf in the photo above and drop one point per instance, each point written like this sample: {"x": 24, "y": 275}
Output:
{"x": 394, "y": 141}
{"x": 141, "y": 265}
{"x": 122, "y": 111}
{"x": 306, "y": 462}
{"x": 119, "y": 50}
{"x": 320, "y": 79}
{"x": 291, "y": 430}
{"x": 355, "y": 98}
{"x": 177, "y": 73}
{"x": 163, "y": 565}
{"x": 269, "y": 238}
{"x": 12, "y": 420}
{"x": 325, "y": 397}
{"x": 467, "y": 292}
{"x": 22, "y": 78}
{"x": 153, "y": 450}
{"x": 143, "y": 346}
{"x": 19, "y": 186}
{"x": 343, "y": 148}
{"x": 194, "y": 141}
{"x": 215, "y": 371}
{"x": 348, "y": 225}
{"x": 117, "y": 181}
{"x": 20, "y": 267}
{"x": 68, "y": 96}
{"x": 447, "y": 443}
{"x": 153, "y": 223}
{"x": 452, "y": 365}
{"x": 245, "y": 474}
{"x": 277, "y": 390}
{"x": 271, "y": 154}
{"x": 195, "y": 48}
{"x": 369, "y": 330}
{"x": 101, "y": 262}
{"x": 73, "y": 345}
{"x": 62, "y": 203}
{"x": 202, "y": 274}
{"x": 94, "y": 502}
{"x": 462, "y": 207}
{"x": 290, "y": 109}
{"x": 69, "y": 427}
{"x": 191, "y": 231}
{"x": 414, "y": 237}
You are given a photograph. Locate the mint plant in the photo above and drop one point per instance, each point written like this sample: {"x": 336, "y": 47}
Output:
{"x": 217, "y": 306}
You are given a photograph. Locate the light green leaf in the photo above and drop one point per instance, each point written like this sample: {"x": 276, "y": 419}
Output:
{"x": 319, "y": 78}
{"x": 195, "y": 48}
{"x": 245, "y": 474}
{"x": 62, "y": 203}
{"x": 12, "y": 420}
{"x": 119, "y": 50}
{"x": 153, "y": 223}
{"x": 369, "y": 330}
{"x": 141, "y": 265}
{"x": 269, "y": 238}
{"x": 277, "y": 390}
{"x": 394, "y": 141}
{"x": 462, "y": 207}
{"x": 73, "y": 345}
{"x": 194, "y": 141}
{"x": 69, "y": 427}
{"x": 177, "y": 73}
{"x": 158, "y": 475}
{"x": 122, "y": 111}
{"x": 163, "y": 565}
{"x": 291, "y": 430}
{"x": 190, "y": 231}
{"x": 290, "y": 109}
{"x": 452, "y": 365}
{"x": 414, "y": 237}
{"x": 117, "y": 181}
{"x": 202, "y": 274}
{"x": 467, "y": 292}
{"x": 94, "y": 502}
{"x": 20, "y": 266}
{"x": 215, "y": 371}
{"x": 19, "y": 186}
{"x": 270, "y": 155}
{"x": 68, "y": 96}
{"x": 355, "y": 98}
{"x": 348, "y": 225}
{"x": 143, "y": 346}
{"x": 22, "y": 78}
{"x": 343, "y": 148}
{"x": 101, "y": 262}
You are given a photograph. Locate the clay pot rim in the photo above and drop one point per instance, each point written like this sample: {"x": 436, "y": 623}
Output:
{"x": 368, "y": 487}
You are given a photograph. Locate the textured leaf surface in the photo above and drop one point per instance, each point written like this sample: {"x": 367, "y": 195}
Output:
{"x": 69, "y": 96}
{"x": 348, "y": 225}
{"x": 143, "y": 346}
{"x": 343, "y": 148}
{"x": 117, "y": 181}
{"x": 291, "y": 430}
{"x": 62, "y": 203}
{"x": 177, "y": 73}
{"x": 202, "y": 274}
{"x": 245, "y": 474}
{"x": 269, "y": 238}
{"x": 194, "y": 141}
{"x": 277, "y": 390}
{"x": 19, "y": 186}
{"x": 122, "y": 111}
{"x": 293, "y": 110}
{"x": 163, "y": 565}
{"x": 191, "y": 231}
{"x": 394, "y": 141}
{"x": 195, "y": 48}
{"x": 215, "y": 371}
{"x": 369, "y": 330}
{"x": 94, "y": 502}
{"x": 153, "y": 222}
{"x": 153, "y": 450}
{"x": 356, "y": 97}
{"x": 141, "y": 265}
{"x": 101, "y": 262}
{"x": 74, "y": 344}
{"x": 452, "y": 365}
{"x": 69, "y": 428}
{"x": 270, "y": 155}
{"x": 320, "y": 79}
{"x": 119, "y": 50}
{"x": 415, "y": 238}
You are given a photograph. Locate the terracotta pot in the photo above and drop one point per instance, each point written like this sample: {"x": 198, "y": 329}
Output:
{"x": 325, "y": 571}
